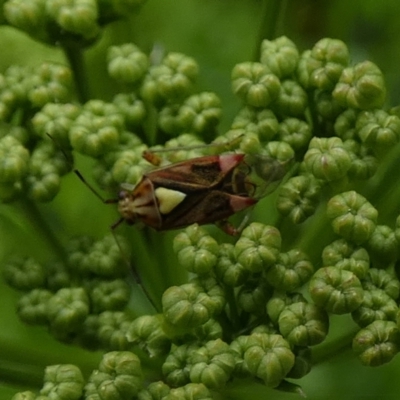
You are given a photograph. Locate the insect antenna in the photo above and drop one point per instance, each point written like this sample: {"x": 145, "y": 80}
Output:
{"x": 222, "y": 146}
{"x": 113, "y": 227}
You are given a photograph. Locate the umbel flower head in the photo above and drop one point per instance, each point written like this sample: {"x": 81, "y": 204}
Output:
{"x": 222, "y": 309}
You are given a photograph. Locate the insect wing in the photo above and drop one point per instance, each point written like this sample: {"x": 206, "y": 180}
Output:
{"x": 201, "y": 173}
{"x": 207, "y": 207}
{"x": 201, "y": 190}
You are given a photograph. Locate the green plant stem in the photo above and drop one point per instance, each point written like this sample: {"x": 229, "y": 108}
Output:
{"x": 34, "y": 218}
{"x": 74, "y": 55}
{"x": 271, "y": 21}
{"x": 21, "y": 374}
{"x": 383, "y": 189}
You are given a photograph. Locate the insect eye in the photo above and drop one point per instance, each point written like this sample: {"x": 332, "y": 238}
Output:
{"x": 122, "y": 194}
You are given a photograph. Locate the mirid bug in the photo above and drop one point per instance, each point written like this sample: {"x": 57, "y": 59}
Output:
{"x": 201, "y": 190}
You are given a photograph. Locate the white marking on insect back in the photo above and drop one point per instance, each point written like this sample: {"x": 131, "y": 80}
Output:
{"x": 229, "y": 161}
{"x": 168, "y": 199}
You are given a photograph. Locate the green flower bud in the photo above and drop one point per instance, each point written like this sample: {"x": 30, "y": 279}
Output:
{"x": 196, "y": 250}
{"x": 211, "y": 330}
{"x": 258, "y": 247}
{"x": 77, "y": 249}
{"x": 250, "y": 144}
{"x": 150, "y": 89}
{"x": 279, "y": 151}
{"x": 78, "y": 17}
{"x": 327, "y": 107}
{"x": 201, "y": 113}
{"x": 378, "y": 129}
{"x": 269, "y": 329}
{"x": 377, "y": 344}
{"x": 279, "y": 301}
{"x": 43, "y": 180}
{"x": 119, "y": 377}
{"x": 262, "y": 122}
{"x": 376, "y": 306}
{"x": 184, "y": 141}
{"x": 212, "y": 364}
{"x": 345, "y": 124}
{"x": 66, "y": 310}
{"x": 239, "y": 345}
{"x": 156, "y": 390}
{"x": 337, "y": 291}
{"x": 290, "y": 272}
{"x": 172, "y": 80}
{"x": 58, "y": 276}
{"x": 353, "y": 217}
{"x": 27, "y": 395}
{"x": 191, "y": 391}
{"x": 24, "y": 273}
{"x": 112, "y": 330}
{"x": 29, "y": 16}
{"x": 169, "y": 121}
{"x": 295, "y": 132}
{"x": 298, "y": 197}
{"x": 56, "y": 119}
{"x": 97, "y": 129}
{"x": 383, "y": 246}
{"x": 381, "y": 279}
{"x": 105, "y": 258}
{"x": 20, "y": 133}
{"x": 303, "y": 324}
{"x": 188, "y": 305}
{"x": 50, "y": 84}
{"x": 109, "y": 295}
{"x": 227, "y": 270}
{"x": 132, "y": 108}
{"x": 268, "y": 357}
{"x": 363, "y": 164}
{"x": 129, "y": 166}
{"x": 184, "y": 73}
{"x": 176, "y": 367}
{"x": 292, "y": 99}
{"x": 280, "y": 56}
{"x": 63, "y": 382}
{"x": 147, "y": 332}
{"x": 322, "y": 66}
{"x": 32, "y": 307}
{"x": 127, "y": 63}
{"x": 14, "y": 159}
{"x": 16, "y": 85}
{"x": 327, "y": 159}
{"x": 253, "y": 296}
{"x": 344, "y": 255}
{"x": 214, "y": 291}
{"x": 254, "y": 84}
{"x": 361, "y": 87}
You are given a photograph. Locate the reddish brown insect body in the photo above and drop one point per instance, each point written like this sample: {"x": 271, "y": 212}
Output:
{"x": 201, "y": 190}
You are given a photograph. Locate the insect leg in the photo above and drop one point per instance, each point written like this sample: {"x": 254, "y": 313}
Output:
{"x": 131, "y": 267}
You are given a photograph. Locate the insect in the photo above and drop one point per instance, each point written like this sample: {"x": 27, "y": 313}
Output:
{"x": 201, "y": 190}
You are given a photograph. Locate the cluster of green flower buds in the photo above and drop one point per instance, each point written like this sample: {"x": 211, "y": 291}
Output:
{"x": 253, "y": 308}
{"x": 64, "y": 20}
{"x": 83, "y": 300}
